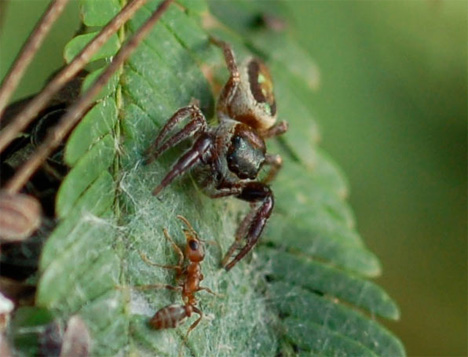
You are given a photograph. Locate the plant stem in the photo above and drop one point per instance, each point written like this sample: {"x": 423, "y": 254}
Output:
{"x": 40, "y": 101}
{"x": 28, "y": 51}
{"x": 75, "y": 112}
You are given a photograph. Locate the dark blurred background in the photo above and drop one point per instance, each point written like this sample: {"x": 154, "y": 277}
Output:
{"x": 392, "y": 106}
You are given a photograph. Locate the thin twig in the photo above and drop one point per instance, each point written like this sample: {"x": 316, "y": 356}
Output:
{"x": 74, "y": 113}
{"x": 40, "y": 101}
{"x": 28, "y": 51}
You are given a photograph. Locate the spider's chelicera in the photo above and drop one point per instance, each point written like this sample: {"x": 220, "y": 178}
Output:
{"x": 226, "y": 159}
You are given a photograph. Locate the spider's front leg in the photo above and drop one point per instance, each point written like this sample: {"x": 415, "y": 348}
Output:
{"x": 251, "y": 227}
{"x": 199, "y": 152}
{"x": 196, "y": 125}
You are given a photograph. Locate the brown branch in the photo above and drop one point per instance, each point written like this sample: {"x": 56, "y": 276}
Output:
{"x": 28, "y": 51}
{"x": 69, "y": 120}
{"x": 40, "y": 101}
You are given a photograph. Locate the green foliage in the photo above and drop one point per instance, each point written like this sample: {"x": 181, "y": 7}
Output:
{"x": 304, "y": 288}
{"x": 79, "y": 42}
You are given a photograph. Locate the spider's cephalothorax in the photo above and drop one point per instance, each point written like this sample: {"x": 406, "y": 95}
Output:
{"x": 227, "y": 158}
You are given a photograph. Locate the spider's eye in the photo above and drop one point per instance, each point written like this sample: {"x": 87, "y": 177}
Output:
{"x": 261, "y": 86}
{"x": 193, "y": 244}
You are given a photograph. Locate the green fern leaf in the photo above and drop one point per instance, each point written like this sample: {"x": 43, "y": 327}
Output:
{"x": 304, "y": 289}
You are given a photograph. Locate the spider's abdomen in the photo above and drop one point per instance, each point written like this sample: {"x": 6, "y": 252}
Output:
{"x": 246, "y": 154}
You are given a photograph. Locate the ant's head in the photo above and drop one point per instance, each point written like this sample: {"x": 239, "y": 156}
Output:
{"x": 194, "y": 250}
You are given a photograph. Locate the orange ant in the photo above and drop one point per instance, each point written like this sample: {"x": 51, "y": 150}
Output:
{"x": 189, "y": 277}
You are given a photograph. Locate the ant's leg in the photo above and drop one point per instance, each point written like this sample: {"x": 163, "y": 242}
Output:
{"x": 252, "y": 226}
{"x": 179, "y": 252}
{"x": 191, "y": 158}
{"x": 276, "y": 130}
{"x": 195, "y": 324}
{"x": 190, "y": 233}
{"x": 149, "y": 262}
{"x": 196, "y": 124}
{"x": 275, "y": 162}
{"x": 208, "y": 290}
{"x": 176, "y": 248}
{"x": 157, "y": 286}
{"x": 150, "y": 287}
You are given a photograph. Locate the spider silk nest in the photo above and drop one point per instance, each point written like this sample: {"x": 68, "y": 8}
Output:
{"x": 235, "y": 323}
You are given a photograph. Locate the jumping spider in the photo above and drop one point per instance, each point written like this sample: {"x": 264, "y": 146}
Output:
{"x": 227, "y": 158}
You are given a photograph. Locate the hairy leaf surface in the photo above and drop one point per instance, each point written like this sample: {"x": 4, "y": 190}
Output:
{"x": 305, "y": 286}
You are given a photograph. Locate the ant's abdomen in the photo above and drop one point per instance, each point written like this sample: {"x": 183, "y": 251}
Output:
{"x": 169, "y": 317}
